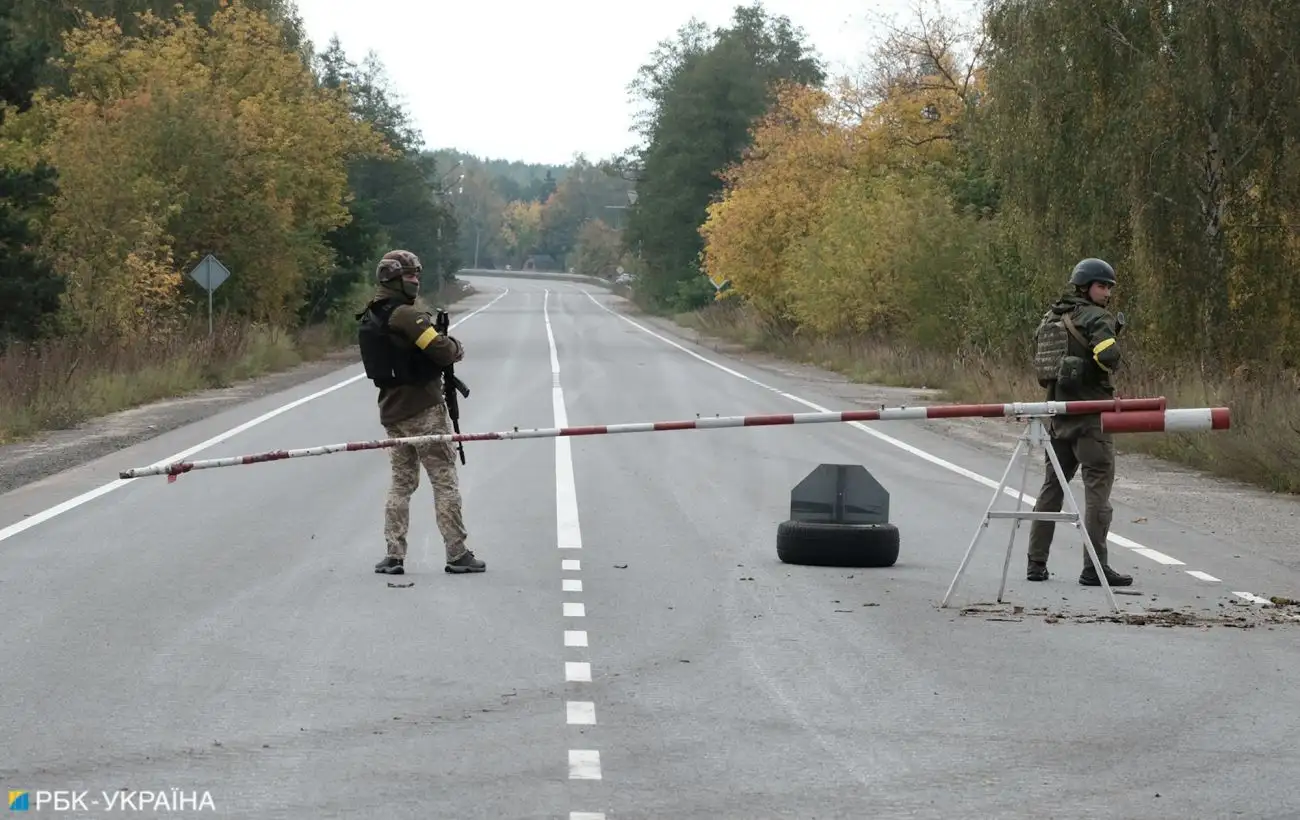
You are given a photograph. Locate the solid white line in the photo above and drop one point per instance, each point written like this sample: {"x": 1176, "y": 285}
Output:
{"x": 571, "y": 585}
{"x": 584, "y": 764}
{"x": 586, "y": 815}
{"x": 580, "y": 712}
{"x": 577, "y": 671}
{"x": 72, "y": 503}
{"x": 568, "y": 531}
{"x": 572, "y": 610}
{"x": 575, "y": 637}
{"x": 571, "y": 565}
{"x": 1119, "y": 540}
{"x": 1204, "y": 576}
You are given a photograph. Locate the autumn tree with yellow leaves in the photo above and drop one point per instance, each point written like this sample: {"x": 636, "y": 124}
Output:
{"x": 184, "y": 140}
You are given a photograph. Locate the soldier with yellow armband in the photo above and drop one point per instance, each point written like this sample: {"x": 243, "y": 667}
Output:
{"x": 404, "y": 356}
{"x": 1076, "y": 355}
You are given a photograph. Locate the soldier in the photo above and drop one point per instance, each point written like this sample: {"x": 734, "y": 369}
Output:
{"x": 404, "y": 355}
{"x": 1074, "y": 362}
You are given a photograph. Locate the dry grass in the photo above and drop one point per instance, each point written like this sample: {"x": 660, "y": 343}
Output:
{"x": 1262, "y": 448}
{"x": 62, "y": 382}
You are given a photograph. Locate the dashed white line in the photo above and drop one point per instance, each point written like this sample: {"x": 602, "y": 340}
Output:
{"x": 1118, "y": 540}
{"x": 581, "y": 712}
{"x": 1157, "y": 556}
{"x": 584, "y": 764}
{"x": 1253, "y": 598}
{"x": 1204, "y": 576}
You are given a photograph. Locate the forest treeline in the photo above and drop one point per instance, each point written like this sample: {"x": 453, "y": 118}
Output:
{"x": 139, "y": 136}
{"x": 910, "y": 222}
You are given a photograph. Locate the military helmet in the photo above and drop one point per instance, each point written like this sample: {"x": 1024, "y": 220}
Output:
{"x": 1092, "y": 270}
{"x": 396, "y": 264}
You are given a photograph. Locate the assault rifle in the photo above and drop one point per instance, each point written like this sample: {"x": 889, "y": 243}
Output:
{"x": 450, "y": 383}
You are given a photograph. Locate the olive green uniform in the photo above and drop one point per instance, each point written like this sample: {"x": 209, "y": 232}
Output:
{"x": 1078, "y": 439}
{"x": 414, "y": 405}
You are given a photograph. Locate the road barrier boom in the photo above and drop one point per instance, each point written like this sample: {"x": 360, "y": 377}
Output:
{"x": 1117, "y": 415}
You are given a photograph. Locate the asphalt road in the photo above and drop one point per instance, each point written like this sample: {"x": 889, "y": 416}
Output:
{"x": 224, "y": 634}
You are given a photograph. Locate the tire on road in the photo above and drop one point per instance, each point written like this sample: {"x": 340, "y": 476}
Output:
{"x": 826, "y": 544}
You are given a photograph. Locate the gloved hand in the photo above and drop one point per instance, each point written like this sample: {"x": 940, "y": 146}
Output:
{"x": 460, "y": 348}
{"x": 1119, "y": 323}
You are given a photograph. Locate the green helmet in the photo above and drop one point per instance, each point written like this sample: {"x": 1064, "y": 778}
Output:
{"x": 397, "y": 263}
{"x": 1092, "y": 270}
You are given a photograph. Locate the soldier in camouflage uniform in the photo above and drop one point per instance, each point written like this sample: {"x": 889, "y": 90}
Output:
{"x": 404, "y": 356}
{"x": 1078, "y": 440}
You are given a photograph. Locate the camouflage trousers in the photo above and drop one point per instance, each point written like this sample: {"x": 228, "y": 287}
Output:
{"x": 439, "y": 461}
{"x": 1094, "y": 452}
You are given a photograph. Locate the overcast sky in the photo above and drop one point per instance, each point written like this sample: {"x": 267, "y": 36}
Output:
{"x": 541, "y": 81}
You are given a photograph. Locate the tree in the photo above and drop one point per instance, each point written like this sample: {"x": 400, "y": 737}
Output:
{"x": 186, "y": 140}
{"x": 703, "y": 102}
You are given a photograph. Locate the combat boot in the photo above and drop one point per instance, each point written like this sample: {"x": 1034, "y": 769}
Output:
{"x": 1037, "y": 571}
{"x": 466, "y": 563}
{"x": 1089, "y": 578}
{"x": 391, "y": 566}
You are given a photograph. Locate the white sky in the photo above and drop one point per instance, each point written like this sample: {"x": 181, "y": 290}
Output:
{"x": 541, "y": 81}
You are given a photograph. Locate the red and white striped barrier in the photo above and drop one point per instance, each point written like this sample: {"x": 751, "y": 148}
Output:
{"x": 1167, "y": 421}
{"x": 1147, "y": 415}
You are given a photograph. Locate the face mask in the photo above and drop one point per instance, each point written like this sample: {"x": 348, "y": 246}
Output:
{"x": 411, "y": 289}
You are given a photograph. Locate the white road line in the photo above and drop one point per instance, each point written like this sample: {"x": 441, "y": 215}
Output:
{"x": 584, "y": 764}
{"x": 1204, "y": 576}
{"x": 1118, "y": 540}
{"x": 1253, "y": 598}
{"x": 1157, "y": 556}
{"x": 586, "y": 815}
{"x": 72, "y": 503}
{"x": 580, "y": 713}
{"x": 569, "y": 535}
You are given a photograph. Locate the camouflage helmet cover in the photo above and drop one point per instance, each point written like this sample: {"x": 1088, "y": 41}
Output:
{"x": 396, "y": 264}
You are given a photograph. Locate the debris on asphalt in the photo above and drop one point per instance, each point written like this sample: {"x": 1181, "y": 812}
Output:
{"x": 1244, "y": 617}
{"x": 392, "y": 585}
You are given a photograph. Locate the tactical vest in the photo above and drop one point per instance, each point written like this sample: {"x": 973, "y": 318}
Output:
{"x": 1052, "y": 359}
{"x": 389, "y": 362}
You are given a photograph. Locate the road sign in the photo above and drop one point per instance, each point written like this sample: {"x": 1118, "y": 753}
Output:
{"x": 210, "y": 273}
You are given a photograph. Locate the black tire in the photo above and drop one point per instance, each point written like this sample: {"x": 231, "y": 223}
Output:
{"x": 825, "y": 544}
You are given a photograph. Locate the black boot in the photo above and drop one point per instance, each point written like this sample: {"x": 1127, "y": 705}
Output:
{"x": 1036, "y": 572}
{"x": 391, "y": 566}
{"x": 1089, "y": 578}
{"x": 466, "y": 563}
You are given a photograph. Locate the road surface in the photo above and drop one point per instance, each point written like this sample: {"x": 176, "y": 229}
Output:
{"x": 635, "y": 649}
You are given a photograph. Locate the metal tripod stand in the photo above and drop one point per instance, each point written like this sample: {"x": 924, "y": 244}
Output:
{"x": 1035, "y": 435}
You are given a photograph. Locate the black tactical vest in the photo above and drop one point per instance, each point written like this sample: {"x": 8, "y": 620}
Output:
{"x": 388, "y": 361}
